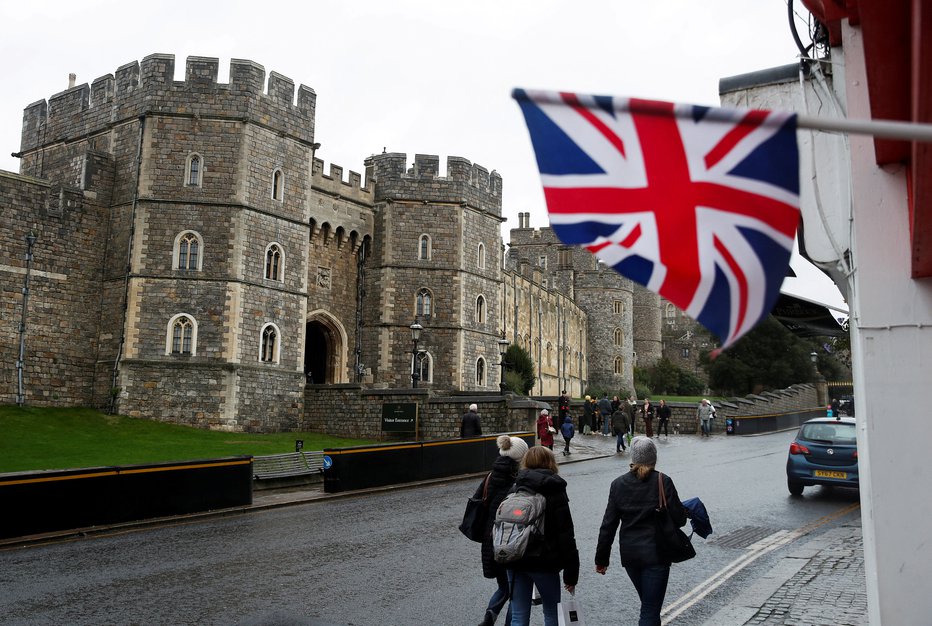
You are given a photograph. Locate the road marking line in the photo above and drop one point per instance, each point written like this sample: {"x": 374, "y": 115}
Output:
{"x": 755, "y": 551}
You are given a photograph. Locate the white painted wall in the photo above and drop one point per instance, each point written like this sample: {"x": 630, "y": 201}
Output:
{"x": 891, "y": 342}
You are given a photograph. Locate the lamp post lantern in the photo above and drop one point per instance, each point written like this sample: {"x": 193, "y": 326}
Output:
{"x": 416, "y": 329}
{"x": 502, "y": 349}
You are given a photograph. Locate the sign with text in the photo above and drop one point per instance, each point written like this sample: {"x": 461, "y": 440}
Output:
{"x": 399, "y": 417}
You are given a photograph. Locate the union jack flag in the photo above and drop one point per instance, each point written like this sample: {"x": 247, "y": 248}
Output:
{"x": 697, "y": 204}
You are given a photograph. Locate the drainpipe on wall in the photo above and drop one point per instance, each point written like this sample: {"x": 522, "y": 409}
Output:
{"x": 360, "y": 268}
{"x": 114, "y": 391}
{"x": 21, "y": 361}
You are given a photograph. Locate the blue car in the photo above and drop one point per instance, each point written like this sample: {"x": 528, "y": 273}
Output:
{"x": 825, "y": 452}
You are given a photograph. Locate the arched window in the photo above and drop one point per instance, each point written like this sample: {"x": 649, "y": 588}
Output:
{"x": 425, "y": 367}
{"x": 670, "y": 311}
{"x": 619, "y": 365}
{"x": 270, "y": 341}
{"x": 181, "y": 338}
{"x": 187, "y": 252}
{"x": 480, "y": 372}
{"x": 424, "y": 248}
{"x": 423, "y": 305}
{"x": 618, "y": 337}
{"x": 278, "y": 185}
{"x": 274, "y": 262}
{"x": 480, "y": 257}
{"x": 193, "y": 171}
{"x": 480, "y": 310}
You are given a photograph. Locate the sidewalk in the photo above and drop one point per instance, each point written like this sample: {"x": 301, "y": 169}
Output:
{"x": 820, "y": 583}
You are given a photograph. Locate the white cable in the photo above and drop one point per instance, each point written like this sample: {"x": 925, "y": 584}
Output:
{"x": 839, "y": 254}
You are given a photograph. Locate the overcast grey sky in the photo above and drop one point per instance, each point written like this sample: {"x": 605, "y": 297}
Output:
{"x": 410, "y": 76}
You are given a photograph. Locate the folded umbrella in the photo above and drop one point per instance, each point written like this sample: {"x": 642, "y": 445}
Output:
{"x": 698, "y": 517}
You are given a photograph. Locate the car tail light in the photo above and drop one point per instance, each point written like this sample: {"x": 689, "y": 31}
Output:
{"x": 855, "y": 454}
{"x": 796, "y": 448}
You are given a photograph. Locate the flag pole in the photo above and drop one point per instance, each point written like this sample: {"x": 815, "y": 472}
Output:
{"x": 888, "y": 129}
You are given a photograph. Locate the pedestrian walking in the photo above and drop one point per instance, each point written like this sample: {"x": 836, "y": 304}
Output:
{"x": 568, "y": 431}
{"x": 631, "y": 411}
{"x": 664, "y": 413}
{"x": 632, "y": 503}
{"x": 470, "y": 425}
{"x": 647, "y": 412}
{"x": 704, "y": 414}
{"x": 605, "y": 410}
{"x": 587, "y": 410}
{"x": 558, "y": 552}
{"x": 511, "y": 451}
{"x": 615, "y": 404}
{"x": 545, "y": 429}
{"x": 620, "y": 428}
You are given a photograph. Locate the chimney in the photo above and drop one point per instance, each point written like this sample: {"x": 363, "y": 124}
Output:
{"x": 72, "y": 77}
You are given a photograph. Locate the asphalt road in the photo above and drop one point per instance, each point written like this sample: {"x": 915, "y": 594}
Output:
{"x": 396, "y": 558}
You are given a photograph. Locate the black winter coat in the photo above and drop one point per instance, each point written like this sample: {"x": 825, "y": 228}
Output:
{"x": 634, "y": 503}
{"x": 470, "y": 426}
{"x": 502, "y": 478}
{"x": 560, "y": 551}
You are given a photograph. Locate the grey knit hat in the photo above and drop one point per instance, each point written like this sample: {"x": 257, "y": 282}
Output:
{"x": 511, "y": 446}
{"x": 643, "y": 451}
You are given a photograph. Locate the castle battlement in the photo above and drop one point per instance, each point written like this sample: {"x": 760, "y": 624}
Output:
{"x": 149, "y": 87}
{"x": 465, "y": 182}
{"x": 355, "y": 188}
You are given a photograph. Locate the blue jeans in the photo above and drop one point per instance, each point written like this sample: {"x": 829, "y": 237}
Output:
{"x": 548, "y": 584}
{"x": 500, "y": 597}
{"x": 620, "y": 440}
{"x": 651, "y": 585}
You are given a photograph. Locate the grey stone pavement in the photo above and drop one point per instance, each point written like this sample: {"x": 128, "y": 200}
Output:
{"x": 819, "y": 583}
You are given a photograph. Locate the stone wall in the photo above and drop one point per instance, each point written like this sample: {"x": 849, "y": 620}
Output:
{"x": 359, "y": 412}
{"x": 64, "y": 289}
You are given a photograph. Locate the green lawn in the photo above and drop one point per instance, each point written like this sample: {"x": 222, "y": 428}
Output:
{"x": 42, "y": 438}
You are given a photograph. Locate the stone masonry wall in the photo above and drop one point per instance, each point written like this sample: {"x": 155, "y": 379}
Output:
{"x": 64, "y": 301}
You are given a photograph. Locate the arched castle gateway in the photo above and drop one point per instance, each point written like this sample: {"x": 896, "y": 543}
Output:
{"x": 195, "y": 263}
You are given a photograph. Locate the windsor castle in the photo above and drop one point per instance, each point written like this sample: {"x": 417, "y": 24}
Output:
{"x": 176, "y": 250}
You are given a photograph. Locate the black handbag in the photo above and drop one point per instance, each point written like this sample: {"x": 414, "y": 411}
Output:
{"x": 476, "y": 514}
{"x": 672, "y": 543}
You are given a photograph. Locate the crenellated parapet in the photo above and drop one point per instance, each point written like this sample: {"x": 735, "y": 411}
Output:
{"x": 354, "y": 189}
{"x": 465, "y": 183}
{"x": 149, "y": 87}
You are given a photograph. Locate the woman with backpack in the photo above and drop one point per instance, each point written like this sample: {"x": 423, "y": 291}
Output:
{"x": 511, "y": 451}
{"x": 545, "y": 558}
{"x": 633, "y": 500}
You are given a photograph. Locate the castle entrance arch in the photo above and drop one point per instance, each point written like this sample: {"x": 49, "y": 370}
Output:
{"x": 325, "y": 349}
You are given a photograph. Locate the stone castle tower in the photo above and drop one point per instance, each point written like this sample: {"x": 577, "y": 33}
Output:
{"x": 438, "y": 262}
{"x": 193, "y": 262}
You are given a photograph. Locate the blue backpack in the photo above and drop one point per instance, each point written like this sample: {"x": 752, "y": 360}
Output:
{"x": 568, "y": 430}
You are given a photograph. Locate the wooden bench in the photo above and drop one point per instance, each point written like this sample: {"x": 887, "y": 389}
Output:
{"x": 287, "y": 465}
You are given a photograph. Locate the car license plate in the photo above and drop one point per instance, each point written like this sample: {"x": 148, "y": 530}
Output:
{"x": 828, "y": 474}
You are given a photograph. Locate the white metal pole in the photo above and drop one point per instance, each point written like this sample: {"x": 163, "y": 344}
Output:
{"x": 888, "y": 129}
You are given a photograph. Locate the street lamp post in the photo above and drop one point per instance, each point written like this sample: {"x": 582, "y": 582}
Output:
{"x": 821, "y": 385}
{"x": 21, "y": 361}
{"x": 416, "y": 329}
{"x": 502, "y": 348}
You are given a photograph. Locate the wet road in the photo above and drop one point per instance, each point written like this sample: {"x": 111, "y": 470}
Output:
{"x": 396, "y": 558}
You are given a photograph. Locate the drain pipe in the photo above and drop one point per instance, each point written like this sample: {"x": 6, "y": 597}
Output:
{"x": 21, "y": 361}
{"x": 114, "y": 389}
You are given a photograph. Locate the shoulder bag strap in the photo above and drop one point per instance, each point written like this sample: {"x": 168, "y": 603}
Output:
{"x": 661, "y": 496}
{"x": 485, "y": 487}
